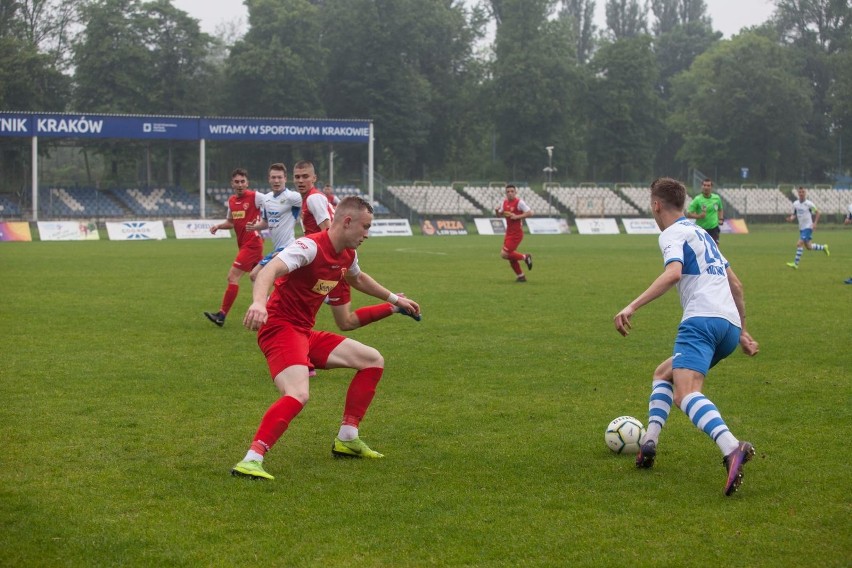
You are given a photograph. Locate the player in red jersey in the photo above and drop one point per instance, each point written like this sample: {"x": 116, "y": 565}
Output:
{"x": 303, "y": 274}
{"x": 328, "y": 191}
{"x": 317, "y": 215}
{"x": 243, "y": 215}
{"x": 514, "y": 209}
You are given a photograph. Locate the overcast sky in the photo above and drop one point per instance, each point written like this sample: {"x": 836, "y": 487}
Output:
{"x": 729, "y": 16}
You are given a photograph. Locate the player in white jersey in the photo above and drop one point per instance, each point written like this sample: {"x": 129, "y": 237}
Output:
{"x": 712, "y": 325}
{"x": 279, "y": 212}
{"x": 808, "y": 215}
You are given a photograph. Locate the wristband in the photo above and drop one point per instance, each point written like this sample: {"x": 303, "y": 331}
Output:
{"x": 392, "y": 298}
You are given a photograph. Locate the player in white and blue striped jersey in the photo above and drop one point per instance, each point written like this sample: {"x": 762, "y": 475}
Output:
{"x": 712, "y": 325}
{"x": 807, "y": 214}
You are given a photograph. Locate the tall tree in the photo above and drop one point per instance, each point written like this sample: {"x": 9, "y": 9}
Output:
{"x": 626, "y": 19}
{"x": 625, "y": 112}
{"x": 278, "y": 67}
{"x": 408, "y": 66}
{"x": 178, "y": 52}
{"x": 537, "y": 87}
{"x": 581, "y": 15}
{"x": 741, "y": 104}
{"x": 140, "y": 58}
{"x": 820, "y": 32}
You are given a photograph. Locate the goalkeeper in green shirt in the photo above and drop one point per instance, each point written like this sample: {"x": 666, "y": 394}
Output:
{"x": 706, "y": 209}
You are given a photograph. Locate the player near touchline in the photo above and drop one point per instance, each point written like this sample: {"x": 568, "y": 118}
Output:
{"x": 712, "y": 325}
{"x": 314, "y": 264}
{"x": 808, "y": 216}
{"x": 514, "y": 210}
{"x": 317, "y": 215}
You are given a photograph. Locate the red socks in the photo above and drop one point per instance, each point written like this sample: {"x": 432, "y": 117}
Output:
{"x": 228, "y": 299}
{"x": 369, "y": 314}
{"x": 360, "y": 395}
{"x": 275, "y": 422}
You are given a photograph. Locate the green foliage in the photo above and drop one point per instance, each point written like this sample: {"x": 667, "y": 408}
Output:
{"x": 741, "y": 105}
{"x": 123, "y": 410}
{"x": 537, "y": 88}
{"x": 625, "y": 110}
{"x": 277, "y": 69}
{"x": 445, "y": 103}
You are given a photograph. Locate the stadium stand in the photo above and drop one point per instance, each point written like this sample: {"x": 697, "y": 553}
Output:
{"x": 587, "y": 201}
{"x": 489, "y": 198}
{"x": 434, "y": 200}
{"x": 639, "y": 197}
{"x": 9, "y": 207}
{"x": 755, "y": 201}
{"x": 220, "y": 195}
{"x": 163, "y": 202}
{"x": 342, "y": 191}
{"x": 78, "y": 202}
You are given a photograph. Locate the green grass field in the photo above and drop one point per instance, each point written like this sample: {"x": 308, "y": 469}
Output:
{"x": 123, "y": 410}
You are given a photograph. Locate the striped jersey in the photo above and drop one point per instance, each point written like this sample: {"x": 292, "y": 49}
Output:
{"x": 703, "y": 287}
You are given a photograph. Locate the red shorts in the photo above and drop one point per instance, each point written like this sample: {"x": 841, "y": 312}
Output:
{"x": 512, "y": 242}
{"x": 340, "y": 295}
{"x": 285, "y": 345}
{"x": 248, "y": 258}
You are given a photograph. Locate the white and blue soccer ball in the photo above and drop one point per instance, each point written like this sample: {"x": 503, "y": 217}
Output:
{"x": 624, "y": 434}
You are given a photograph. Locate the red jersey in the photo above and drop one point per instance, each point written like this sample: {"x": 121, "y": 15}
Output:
{"x": 514, "y": 227}
{"x": 315, "y": 269}
{"x": 244, "y": 210}
{"x": 315, "y": 210}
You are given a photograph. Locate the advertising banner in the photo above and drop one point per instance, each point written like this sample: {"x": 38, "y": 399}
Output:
{"x": 15, "y": 231}
{"x": 391, "y": 228}
{"x": 68, "y": 231}
{"x": 273, "y": 129}
{"x": 98, "y": 126}
{"x": 136, "y": 231}
{"x": 640, "y": 226}
{"x": 547, "y": 226}
{"x": 198, "y": 229}
{"x": 737, "y": 226}
{"x": 443, "y": 227}
{"x": 606, "y": 226}
{"x": 490, "y": 225}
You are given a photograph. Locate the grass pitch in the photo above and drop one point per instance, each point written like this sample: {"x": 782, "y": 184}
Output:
{"x": 123, "y": 410}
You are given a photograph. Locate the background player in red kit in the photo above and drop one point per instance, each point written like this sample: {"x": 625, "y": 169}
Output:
{"x": 514, "y": 209}
{"x": 243, "y": 209}
{"x": 311, "y": 267}
{"x": 317, "y": 215}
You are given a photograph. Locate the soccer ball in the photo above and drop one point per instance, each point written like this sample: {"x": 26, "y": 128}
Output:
{"x": 623, "y": 435}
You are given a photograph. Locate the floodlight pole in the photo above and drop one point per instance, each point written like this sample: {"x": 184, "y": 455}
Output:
{"x": 331, "y": 167}
{"x": 34, "y": 161}
{"x": 370, "y": 164}
{"x": 549, "y": 169}
{"x": 202, "y": 177}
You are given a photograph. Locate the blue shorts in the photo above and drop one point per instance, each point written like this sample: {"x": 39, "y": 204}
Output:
{"x": 806, "y": 234}
{"x": 270, "y": 256}
{"x": 703, "y": 342}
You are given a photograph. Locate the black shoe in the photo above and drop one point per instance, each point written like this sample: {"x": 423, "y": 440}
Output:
{"x": 528, "y": 261}
{"x": 218, "y": 318}
{"x": 404, "y": 312}
{"x": 646, "y": 455}
{"x": 521, "y": 279}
